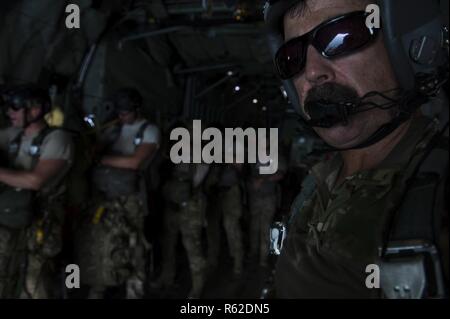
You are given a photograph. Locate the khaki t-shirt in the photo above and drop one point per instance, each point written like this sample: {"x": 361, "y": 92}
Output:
{"x": 56, "y": 145}
{"x": 122, "y": 139}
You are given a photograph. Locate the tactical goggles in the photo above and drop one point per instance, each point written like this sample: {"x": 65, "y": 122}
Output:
{"x": 335, "y": 37}
{"x": 14, "y": 103}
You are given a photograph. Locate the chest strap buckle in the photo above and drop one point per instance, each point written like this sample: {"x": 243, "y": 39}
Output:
{"x": 411, "y": 270}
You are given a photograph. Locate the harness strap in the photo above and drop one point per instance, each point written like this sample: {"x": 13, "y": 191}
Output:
{"x": 308, "y": 187}
{"x": 14, "y": 147}
{"x": 140, "y": 133}
{"x": 35, "y": 147}
{"x": 412, "y": 266}
{"x": 416, "y": 216}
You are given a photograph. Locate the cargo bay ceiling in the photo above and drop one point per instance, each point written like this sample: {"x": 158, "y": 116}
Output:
{"x": 191, "y": 59}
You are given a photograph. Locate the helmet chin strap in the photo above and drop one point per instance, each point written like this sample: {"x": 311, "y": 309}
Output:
{"x": 326, "y": 114}
{"x": 26, "y": 122}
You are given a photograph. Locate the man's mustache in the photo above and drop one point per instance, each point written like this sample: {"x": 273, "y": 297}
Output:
{"x": 331, "y": 93}
{"x": 326, "y": 105}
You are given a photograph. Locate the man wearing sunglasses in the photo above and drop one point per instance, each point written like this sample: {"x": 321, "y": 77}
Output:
{"x": 31, "y": 200}
{"x": 349, "y": 89}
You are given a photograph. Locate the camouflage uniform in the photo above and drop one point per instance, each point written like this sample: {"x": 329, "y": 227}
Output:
{"x": 44, "y": 244}
{"x": 27, "y": 255}
{"x": 12, "y": 256}
{"x": 338, "y": 230}
{"x": 184, "y": 213}
{"x": 112, "y": 247}
{"x": 228, "y": 210}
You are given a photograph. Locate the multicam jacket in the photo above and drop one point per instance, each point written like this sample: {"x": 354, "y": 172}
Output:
{"x": 338, "y": 230}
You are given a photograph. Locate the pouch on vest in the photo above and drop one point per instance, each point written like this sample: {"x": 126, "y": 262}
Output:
{"x": 115, "y": 182}
{"x": 16, "y": 207}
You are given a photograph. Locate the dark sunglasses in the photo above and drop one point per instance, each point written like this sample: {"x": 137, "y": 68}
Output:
{"x": 338, "y": 36}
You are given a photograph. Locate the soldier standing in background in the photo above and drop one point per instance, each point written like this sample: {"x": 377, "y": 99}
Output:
{"x": 184, "y": 213}
{"x": 224, "y": 185}
{"x": 111, "y": 247}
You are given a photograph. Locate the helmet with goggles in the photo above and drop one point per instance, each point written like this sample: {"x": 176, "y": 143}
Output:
{"x": 415, "y": 36}
{"x": 25, "y": 97}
